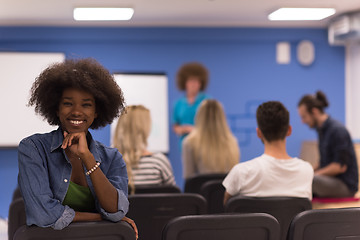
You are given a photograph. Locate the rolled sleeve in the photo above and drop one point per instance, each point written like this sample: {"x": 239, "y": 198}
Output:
{"x": 123, "y": 207}
{"x": 65, "y": 219}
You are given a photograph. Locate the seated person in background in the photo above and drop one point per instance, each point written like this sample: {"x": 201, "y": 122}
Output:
{"x": 130, "y": 138}
{"x": 210, "y": 147}
{"x": 274, "y": 173}
{"x": 337, "y": 174}
{"x": 66, "y": 176}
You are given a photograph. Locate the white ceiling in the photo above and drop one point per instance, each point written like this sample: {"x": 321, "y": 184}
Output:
{"x": 220, "y": 13}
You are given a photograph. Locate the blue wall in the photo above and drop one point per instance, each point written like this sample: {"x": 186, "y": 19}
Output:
{"x": 242, "y": 67}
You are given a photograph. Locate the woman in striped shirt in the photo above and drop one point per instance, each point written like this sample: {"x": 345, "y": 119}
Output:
{"x": 143, "y": 166}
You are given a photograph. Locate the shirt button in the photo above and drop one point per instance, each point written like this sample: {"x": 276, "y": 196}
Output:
{"x": 65, "y": 180}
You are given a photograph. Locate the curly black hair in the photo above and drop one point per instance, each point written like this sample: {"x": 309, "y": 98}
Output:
{"x": 84, "y": 74}
{"x": 192, "y": 69}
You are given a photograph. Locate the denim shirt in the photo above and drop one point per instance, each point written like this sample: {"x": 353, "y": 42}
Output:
{"x": 44, "y": 177}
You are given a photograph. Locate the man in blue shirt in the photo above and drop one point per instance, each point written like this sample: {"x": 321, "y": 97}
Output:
{"x": 337, "y": 173}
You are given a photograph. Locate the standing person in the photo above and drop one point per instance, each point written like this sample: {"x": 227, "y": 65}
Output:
{"x": 210, "y": 147}
{"x": 274, "y": 173}
{"x": 192, "y": 78}
{"x": 144, "y": 167}
{"x": 337, "y": 174}
{"x": 65, "y": 175}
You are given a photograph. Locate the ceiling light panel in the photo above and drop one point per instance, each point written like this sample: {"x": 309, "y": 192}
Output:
{"x": 301, "y": 14}
{"x": 103, "y": 14}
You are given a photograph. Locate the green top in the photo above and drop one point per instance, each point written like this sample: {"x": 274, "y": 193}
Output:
{"x": 79, "y": 198}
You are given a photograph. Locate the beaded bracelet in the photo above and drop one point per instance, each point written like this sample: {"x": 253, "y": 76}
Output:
{"x": 92, "y": 169}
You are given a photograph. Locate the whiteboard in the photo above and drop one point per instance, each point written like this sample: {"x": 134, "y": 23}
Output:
{"x": 17, "y": 73}
{"x": 150, "y": 90}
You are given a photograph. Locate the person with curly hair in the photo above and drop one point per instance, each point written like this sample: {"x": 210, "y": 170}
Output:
{"x": 192, "y": 78}
{"x": 65, "y": 175}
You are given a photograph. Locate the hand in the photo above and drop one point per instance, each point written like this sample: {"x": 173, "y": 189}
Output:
{"x": 133, "y": 225}
{"x": 183, "y": 129}
{"x": 76, "y": 143}
{"x": 187, "y": 128}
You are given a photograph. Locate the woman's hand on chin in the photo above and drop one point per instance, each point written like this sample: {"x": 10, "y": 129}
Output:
{"x": 76, "y": 143}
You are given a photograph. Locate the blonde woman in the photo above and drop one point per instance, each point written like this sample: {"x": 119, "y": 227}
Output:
{"x": 210, "y": 147}
{"x": 143, "y": 166}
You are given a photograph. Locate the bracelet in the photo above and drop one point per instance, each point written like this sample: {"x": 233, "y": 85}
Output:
{"x": 92, "y": 169}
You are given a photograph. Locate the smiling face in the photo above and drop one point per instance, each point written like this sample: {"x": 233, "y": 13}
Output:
{"x": 77, "y": 110}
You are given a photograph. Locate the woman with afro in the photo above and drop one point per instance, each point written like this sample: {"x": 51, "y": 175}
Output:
{"x": 65, "y": 175}
{"x": 192, "y": 78}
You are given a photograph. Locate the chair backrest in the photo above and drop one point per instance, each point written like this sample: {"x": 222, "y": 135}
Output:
{"x": 157, "y": 189}
{"x": 151, "y": 212}
{"x": 324, "y": 224}
{"x": 194, "y": 184}
{"x": 103, "y": 230}
{"x": 17, "y": 216}
{"x": 254, "y": 226}
{"x": 284, "y": 209}
{"x": 16, "y": 193}
{"x": 213, "y": 191}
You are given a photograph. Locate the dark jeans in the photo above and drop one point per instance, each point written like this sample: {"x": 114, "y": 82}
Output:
{"x": 325, "y": 186}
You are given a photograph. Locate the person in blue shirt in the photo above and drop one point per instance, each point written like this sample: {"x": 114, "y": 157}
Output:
{"x": 65, "y": 175}
{"x": 337, "y": 173}
{"x": 192, "y": 78}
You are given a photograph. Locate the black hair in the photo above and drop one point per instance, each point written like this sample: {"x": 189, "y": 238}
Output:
{"x": 84, "y": 74}
{"x": 273, "y": 120}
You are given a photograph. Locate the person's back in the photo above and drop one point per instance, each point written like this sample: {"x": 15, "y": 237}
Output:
{"x": 210, "y": 147}
{"x": 274, "y": 173}
{"x": 153, "y": 169}
{"x": 266, "y": 176}
{"x": 143, "y": 167}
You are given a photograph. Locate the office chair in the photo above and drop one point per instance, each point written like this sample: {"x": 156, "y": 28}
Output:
{"x": 16, "y": 193}
{"x": 324, "y": 224}
{"x": 193, "y": 184}
{"x": 151, "y": 212}
{"x": 213, "y": 191}
{"x": 157, "y": 189}
{"x": 284, "y": 209}
{"x": 17, "y": 216}
{"x": 254, "y": 226}
{"x": 102, "y": 230}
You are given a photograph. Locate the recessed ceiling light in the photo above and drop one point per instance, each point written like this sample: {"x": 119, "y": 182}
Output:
{"x": 103, "y": 14}
{"x": 299, "y": 14}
